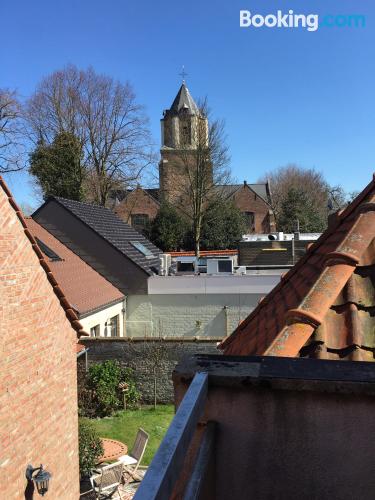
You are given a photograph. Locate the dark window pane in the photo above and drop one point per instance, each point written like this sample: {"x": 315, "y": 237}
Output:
{"x": 225, "y": 266}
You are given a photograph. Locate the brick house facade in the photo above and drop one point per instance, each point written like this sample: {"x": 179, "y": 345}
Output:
{"x": 38, "y": 393}
{"x": 138, "y": 208}
{"x": 257, "y": 210}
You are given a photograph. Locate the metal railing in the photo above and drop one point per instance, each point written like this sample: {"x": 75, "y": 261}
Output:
{"x": 165, "y": 468}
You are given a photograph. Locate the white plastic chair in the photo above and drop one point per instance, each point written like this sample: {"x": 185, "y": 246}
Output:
{"x": 132, "y": 461}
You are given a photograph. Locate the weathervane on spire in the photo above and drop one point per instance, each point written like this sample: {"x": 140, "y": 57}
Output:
{"x": 183, "y": 74}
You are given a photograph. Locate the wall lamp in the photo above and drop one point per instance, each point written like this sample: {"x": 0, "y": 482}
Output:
{"x": 41, "y": 478}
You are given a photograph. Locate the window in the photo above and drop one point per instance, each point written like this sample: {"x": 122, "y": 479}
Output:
{"x": 185, "y": 131}
{"x": 95, "y": 331}
{"x": 185, "y": 267}
{"x": 250, "y": 220}
{"x": 47, "y": 250}
{"x": 141, "y": 248}
{"x": 114, "y": 326}
{"x": 225, "y": 266}
{"x": 139, "y": 221}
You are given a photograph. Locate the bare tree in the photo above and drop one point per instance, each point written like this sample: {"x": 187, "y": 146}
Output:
{"x": 204, "y": 160}
{"x": 320, "y": 198}
{"x": 293, "y": 176}
{"x": 104, "y": 115}
{"x": 11, "y": 143}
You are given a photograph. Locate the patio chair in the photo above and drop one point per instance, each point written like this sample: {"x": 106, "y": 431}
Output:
{"x": 132, "y": 461}
{"x": 107, "y": 480}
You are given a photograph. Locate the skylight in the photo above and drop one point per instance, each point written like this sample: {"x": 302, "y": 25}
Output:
{"x": 47, "y": 250}
{"x": 141, "y": 248}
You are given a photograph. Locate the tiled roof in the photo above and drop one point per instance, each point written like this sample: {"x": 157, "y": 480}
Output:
{"x": 154, "y": 192}
{"x": 227, "y": 190}
{"x": 114, "y": 230}
{"x": 183, "y": 100}
{"x": 325, "y": 305}
{"x": 85, "y": 289}
{"x": 203, "y": 253}
{"x": 259, "y": 189}
{"x": 65, "y": 304}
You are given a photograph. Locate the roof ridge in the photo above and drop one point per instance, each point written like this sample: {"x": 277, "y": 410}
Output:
{"x": 105, "y": 238}
{"x": 65, "y": 304}
{"x": 343, "y": 256}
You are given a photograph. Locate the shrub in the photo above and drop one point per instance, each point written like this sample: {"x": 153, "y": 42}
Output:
{"x": 132, "y": 394}
{"x": 90, "y": 446}
{"x": 106, "y": 384}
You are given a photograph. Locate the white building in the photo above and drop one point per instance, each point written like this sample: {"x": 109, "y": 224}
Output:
{"x": 196, "y": 305}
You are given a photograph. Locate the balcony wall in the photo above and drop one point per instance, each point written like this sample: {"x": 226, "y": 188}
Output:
{"x": 285, "y": 428}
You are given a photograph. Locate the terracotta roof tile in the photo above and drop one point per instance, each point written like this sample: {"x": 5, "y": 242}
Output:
{"x": 84, "y": 288}
{"x": 203, "y": 253}
{"x": 325, "y": 305}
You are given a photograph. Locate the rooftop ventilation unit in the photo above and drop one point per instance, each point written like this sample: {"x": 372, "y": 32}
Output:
{"x": 220, "y": 266}
{"x": 165, "y": 263}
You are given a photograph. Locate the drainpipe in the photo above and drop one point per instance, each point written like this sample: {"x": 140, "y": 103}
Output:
{"x": 225, "y": 309}
{"x": 293, "y": 251}
{"x": 123, "y": 310}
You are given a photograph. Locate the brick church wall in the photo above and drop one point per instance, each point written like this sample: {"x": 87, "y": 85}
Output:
{"x": 38, "y": 390}
{"x": 247, "y": 201}
{"x": 137, "y": 202}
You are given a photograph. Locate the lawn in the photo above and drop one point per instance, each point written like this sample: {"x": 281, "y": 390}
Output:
{"x": 125, "y": 424}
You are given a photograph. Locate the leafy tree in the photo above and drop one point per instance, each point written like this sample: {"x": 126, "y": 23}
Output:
{"x": 297, "y": 205}
{"x": 58, "y": 168}
{"x": 168, "y": 229}
{"x": 90, "y": 446}
{"x": 223, "y": 226}
{"x": 109, "y": 383}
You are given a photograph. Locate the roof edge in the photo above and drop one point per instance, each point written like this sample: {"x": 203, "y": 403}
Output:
{"x": 341, "y": 216}
{"x": 55, "y": 198}
{"x": 65, "y": 304}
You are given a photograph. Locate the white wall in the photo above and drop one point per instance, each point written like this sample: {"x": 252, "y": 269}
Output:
{"x": 191, "y": 306}
{"x": 101, "y": 317}
{"x": 213, "y": 284}
{"x": 188, "y": 315}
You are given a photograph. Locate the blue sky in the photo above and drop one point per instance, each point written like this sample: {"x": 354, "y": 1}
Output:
{"x": 287, "y": 95}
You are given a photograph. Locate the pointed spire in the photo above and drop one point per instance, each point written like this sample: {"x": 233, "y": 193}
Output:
{"x": 183, "y": 100}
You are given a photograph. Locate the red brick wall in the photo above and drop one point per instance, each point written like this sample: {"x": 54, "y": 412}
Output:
{"x": 137, "y": 202}
{"x": 247, "y": 201}
{"x": 38, "y": 388}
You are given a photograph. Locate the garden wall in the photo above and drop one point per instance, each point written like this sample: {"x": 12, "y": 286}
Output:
{"x": 145, "y": 356}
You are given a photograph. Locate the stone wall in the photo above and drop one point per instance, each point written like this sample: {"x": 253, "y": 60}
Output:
{"x": 142, "y": 355}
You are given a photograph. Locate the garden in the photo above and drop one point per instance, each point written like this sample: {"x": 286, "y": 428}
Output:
{"x": 110, "y": 407}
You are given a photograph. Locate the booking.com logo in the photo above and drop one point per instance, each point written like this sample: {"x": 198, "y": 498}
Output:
{"x": 311, "y": 22}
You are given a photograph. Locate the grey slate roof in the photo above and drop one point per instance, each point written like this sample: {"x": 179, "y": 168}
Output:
{"x": 259, "y": 189}
{"x": 227, "y": 190}
{"x": 112, "y": 229}
{"x": 183, "y": 100}
{"x": 154, "y": 192}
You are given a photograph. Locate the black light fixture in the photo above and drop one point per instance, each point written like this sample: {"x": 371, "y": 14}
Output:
{"x": 41, "y": 478}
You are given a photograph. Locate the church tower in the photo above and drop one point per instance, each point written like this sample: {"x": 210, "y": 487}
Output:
{"x": 183, "y": 131}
